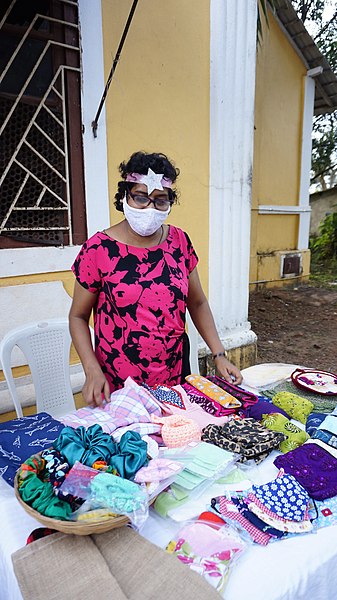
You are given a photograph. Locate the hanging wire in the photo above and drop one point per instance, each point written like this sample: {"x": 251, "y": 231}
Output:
{"x": 94, "y": 123}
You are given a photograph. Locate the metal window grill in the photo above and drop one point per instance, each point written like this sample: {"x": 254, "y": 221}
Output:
{"x": 41, "y": 47}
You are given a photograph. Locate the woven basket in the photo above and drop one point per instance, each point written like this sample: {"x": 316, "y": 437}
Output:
{"x": 72, "y": 527}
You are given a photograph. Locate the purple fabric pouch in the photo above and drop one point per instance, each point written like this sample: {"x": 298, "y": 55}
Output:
{"x": 314, "y": 468}
{"x": 263, "y": 408}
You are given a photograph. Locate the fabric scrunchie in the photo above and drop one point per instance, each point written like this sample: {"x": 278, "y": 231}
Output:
{"x": 85, "y": 445}
{"x": 131, "y": 454}
{"x": 38, "y": 493}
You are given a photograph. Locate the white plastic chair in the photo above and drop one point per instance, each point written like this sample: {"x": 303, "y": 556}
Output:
{"x": 46, "y": 346}
{"x": 193, "y": 336}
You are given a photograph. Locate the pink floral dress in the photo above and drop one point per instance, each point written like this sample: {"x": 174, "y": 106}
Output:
{"x": 139, "y": 316}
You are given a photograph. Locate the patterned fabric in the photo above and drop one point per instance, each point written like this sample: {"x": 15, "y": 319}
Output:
{"x": 329, "y": 424}
{"x": 314, "y": 468}
{"x": 213, "y": 391}
{"x": 130, "y": 406}
{"x": 263, "y": 408}
{"x": 324, "y": 445}
{"x": 246, "y": 398}
{"x": 321, "y": 404}
{"x": 245, "y": 436}
{"x": 230, "y": 512}
{"x": 327, "y": 437}
{"x": 294, "y": 435}
{"x": 195, "y": 411}
{"x": 313, "y": 421}
{"x": 57, "y": 469}
{"x": 284, "y": 496}
{"x": 167, "y": 395}
{"x": 140, "y": 311}
{"x": 286, "y": 526}
{"x": 297, "y": 407}
{"x": 39, "y": 533}
{"x": 326, "y": 512}
{"x": 207, "y": 551}
{"x": 21, "y": 438}
{"x": 210, "y": 406}
{"x": 242, "y": 505}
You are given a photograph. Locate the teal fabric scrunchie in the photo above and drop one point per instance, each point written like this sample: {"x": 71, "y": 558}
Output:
{"x": 85, "y": 445}
{"x": 131, "y": 454}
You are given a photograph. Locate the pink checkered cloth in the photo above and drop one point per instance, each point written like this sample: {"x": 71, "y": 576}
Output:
{"x": 228, "y": 509}
{"x": 130, "y": 407}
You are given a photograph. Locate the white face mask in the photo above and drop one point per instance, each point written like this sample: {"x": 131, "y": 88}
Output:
{"x": 144, "y": 221}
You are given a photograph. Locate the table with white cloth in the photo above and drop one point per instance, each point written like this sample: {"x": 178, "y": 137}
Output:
{"x": 301, "y": 567}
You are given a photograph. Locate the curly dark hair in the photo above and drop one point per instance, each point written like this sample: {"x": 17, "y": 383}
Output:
{"x": 140, "y": 162}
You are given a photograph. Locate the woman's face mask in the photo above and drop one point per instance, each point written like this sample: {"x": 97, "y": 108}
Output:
{"x": 144, "y": 221}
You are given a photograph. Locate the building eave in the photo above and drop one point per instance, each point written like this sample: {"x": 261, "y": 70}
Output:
{"x": 303, "y": 43}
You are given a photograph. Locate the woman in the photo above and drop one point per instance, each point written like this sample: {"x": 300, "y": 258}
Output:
{"x": 139, "y": 276}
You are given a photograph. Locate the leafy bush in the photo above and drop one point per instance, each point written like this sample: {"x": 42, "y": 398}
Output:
{"x": 324, "y": 246}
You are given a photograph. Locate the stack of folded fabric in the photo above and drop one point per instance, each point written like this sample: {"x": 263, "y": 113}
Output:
{"x": 273, "y": 510}
{"x": 246, "y": 399}
{"x": 213, "y": 391}
{"x": 211, "y": 407}
{"x": 245, "y": 436}
{"x": 294, "y": 435}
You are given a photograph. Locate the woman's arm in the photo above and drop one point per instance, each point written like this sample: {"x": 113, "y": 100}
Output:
{"x": 95, "y": 382}
{"x": 202, "y": 318}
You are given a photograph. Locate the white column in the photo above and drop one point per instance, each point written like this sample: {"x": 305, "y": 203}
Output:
{"x": 232, "y": 90}
{"x": 308, "y": 113}
{"x": 95, "y": 149}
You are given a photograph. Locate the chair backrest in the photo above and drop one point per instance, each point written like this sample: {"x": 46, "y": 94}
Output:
{"x": 46, "y": 346}
{"x": 194, "y": 336}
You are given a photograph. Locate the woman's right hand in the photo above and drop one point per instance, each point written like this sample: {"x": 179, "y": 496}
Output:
{"x": 96, "y": 388}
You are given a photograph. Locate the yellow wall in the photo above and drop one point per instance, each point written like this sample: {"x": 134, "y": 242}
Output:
{"x": 277, "y": 149}
{"x": 159, "y": 101}
{"x": 66, "y": 277}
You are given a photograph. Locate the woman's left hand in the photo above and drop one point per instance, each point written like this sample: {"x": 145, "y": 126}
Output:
{"x": 227, "y": 370}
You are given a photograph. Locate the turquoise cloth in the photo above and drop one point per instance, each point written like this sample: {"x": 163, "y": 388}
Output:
{"x": 89, "y": 445}
{"x": 85, "y": 445}
{"x": 131, "y": 454}
{"x": 120, "y": 495}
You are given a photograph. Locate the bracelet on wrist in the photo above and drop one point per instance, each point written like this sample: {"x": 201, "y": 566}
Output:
{"x": 218, "y": 354}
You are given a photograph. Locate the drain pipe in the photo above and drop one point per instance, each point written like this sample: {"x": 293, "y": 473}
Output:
{"x": 306, "y": 150}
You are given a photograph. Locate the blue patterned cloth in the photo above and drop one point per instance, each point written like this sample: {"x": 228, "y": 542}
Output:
{"x": 313, "y": 422}
{"x": 284, "y": 496}
{"x": 166, "y": 395}
{"x": 327, "y": 437}
{"x": 21, "y": 438}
